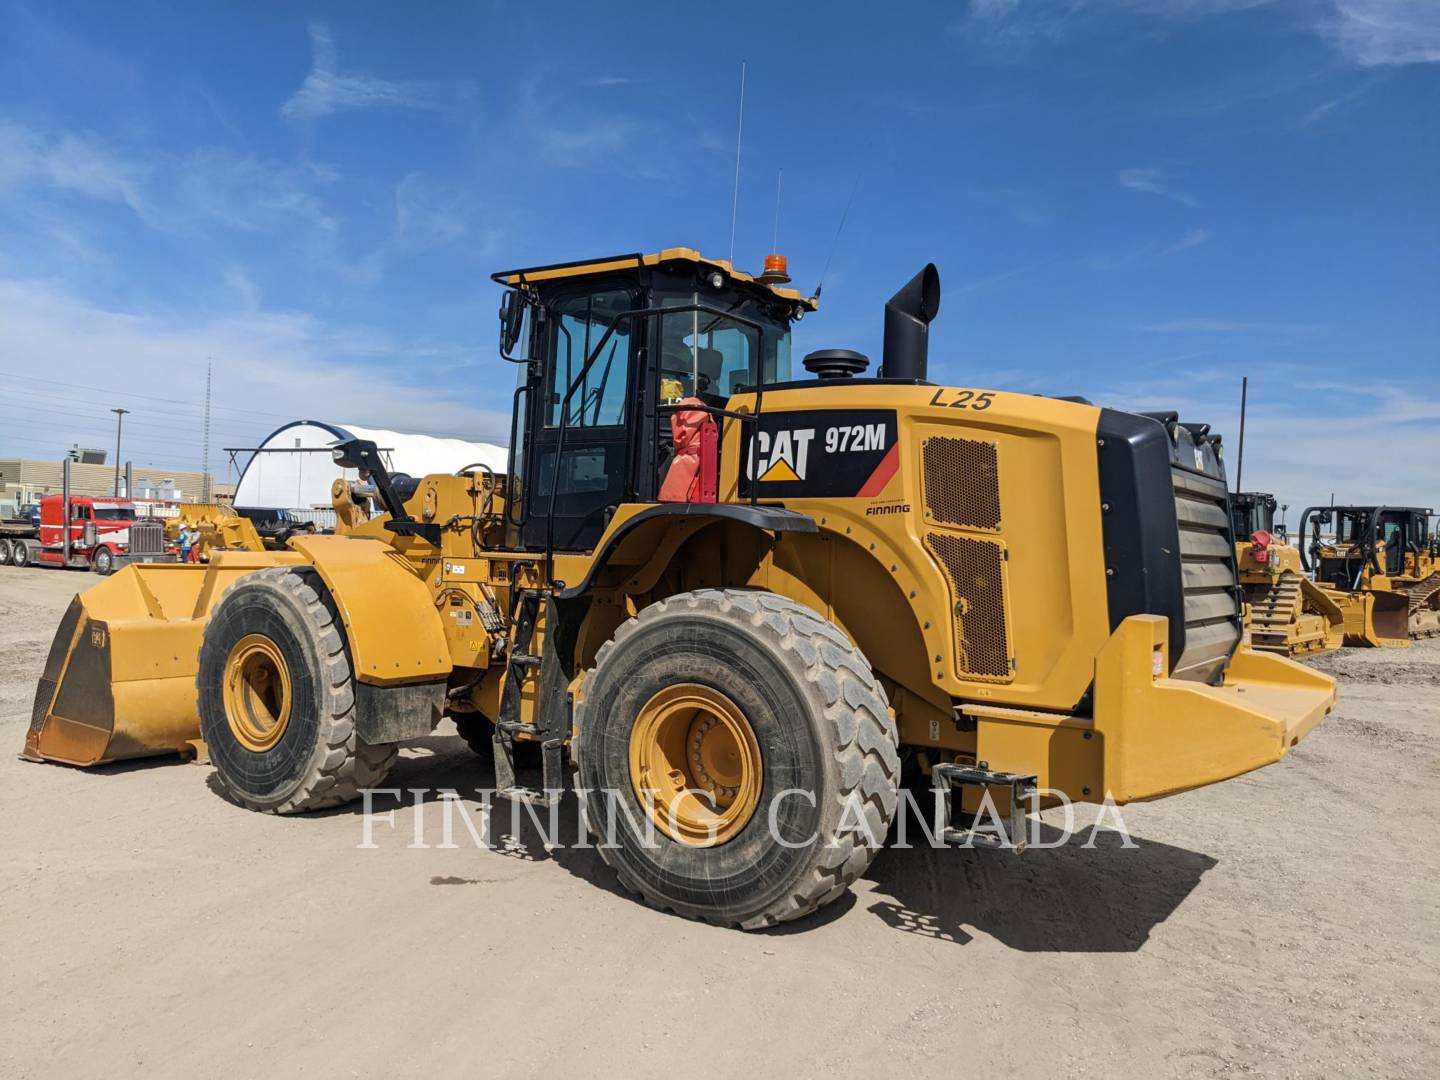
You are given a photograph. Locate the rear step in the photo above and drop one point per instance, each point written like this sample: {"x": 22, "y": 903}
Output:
{"x": 947, "y": 777}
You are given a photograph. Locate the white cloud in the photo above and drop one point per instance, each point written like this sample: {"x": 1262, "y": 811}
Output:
{"x": 1010, "y": 29}
{"x": 579, "y": 147}
{"x": 1291, "y": 455}
{"x": 428, "y": 216}
{"x": 1193, "y": 238}
{"x": 78, "y": 162}
{"x": 1384, "y": 33}
{"x": 1334, "y": 105}
{"x": 326, "y": 90}
{"x": 1153, "y": 180}
{"x": 267, "y": 362}
{"x": 175, "y": 193}
{"x": 241, "y": 191}
{"x": 1232, "y": 326}
{"x": 1368, "y": 33}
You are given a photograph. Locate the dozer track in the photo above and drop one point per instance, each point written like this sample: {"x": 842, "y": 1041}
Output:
{"x": 1279, "y": 622}
{"x": 1424, "y": 599}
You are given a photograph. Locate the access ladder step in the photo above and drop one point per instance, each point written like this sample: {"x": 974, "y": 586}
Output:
{"x": 949, "y": 776}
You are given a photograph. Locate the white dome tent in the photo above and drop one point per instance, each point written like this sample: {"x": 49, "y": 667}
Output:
{"x": 292, "y": 469}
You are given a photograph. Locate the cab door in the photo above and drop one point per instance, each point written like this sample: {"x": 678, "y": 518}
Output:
{"x": 594, "y": 474}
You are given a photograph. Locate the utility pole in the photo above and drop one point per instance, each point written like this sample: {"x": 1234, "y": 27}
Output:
{"x": 119, "y": 419}
{"x": 205, "y": 452}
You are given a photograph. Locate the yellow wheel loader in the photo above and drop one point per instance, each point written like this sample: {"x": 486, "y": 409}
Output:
{"x": 734, "y": 600}
{"x": 1285, "y": 612}
{"x": 1381, "y": 565}
{"x": 219, "y": 528}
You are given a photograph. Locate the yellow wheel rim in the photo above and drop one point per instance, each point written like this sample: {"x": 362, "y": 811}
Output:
{"x": 257, "y": 693}
{"x": 695, "y": 764}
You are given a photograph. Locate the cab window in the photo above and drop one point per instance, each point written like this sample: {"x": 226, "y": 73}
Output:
{"x": 601, "y": 396}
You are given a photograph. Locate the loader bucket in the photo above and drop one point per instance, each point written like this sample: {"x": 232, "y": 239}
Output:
{"x": 119, "y": 681}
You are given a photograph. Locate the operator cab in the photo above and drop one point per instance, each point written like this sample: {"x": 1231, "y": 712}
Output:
{"x": 1252, "y": 512}
{"x": 1381, "y": 536}
{"x": 608, "y": 350}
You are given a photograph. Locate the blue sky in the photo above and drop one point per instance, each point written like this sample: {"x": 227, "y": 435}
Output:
{"x": 1135, "y": 200}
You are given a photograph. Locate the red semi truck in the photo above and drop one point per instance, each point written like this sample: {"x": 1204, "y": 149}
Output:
{"x": 84, "y": 532}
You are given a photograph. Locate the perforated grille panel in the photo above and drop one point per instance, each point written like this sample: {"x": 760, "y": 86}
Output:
{"x": 975, "y": 570}
{"x": 962, "y": 482}
{"x": 147, "y": 538}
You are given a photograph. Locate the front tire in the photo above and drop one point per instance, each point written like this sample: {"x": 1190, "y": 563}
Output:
{"x": 277, "y": 697}
{"x": 801, "y": 780}
{"x": 103, "y": 563}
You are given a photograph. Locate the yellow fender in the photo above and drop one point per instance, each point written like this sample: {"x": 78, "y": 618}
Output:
{"x": 394, "y": 630}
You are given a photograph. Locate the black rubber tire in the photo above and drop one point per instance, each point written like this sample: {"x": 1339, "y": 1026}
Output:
{"x": 319, "y": 762}
{"x": 823, "y": 724}
{"x": 102, "y": 562}
{"x": 5, "y": 557}
{"x": 19, "y": 553}
{"x": 478, "y": 733}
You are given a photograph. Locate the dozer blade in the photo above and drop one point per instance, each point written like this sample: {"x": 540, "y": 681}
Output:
{"x": 1377, "y": 619}
{"x": 119, "y": 681}
{"x": 1391, "y": 618}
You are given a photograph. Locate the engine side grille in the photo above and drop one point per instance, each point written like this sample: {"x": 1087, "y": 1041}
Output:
{"x": 147, "y": 538}
{"x": 962, "y": 483}
{"x": 1207, "y": 568}
{"x": 976, "y": 571}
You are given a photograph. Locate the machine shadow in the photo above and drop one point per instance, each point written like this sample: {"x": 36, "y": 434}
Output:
{"x": 1070, "y": 898}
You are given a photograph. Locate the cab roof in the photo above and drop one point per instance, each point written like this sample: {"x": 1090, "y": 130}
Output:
{"x": 586, "y": 267}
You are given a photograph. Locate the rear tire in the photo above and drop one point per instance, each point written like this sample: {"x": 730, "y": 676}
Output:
{"x": 277, "y": 697}
{"x": 4, "y": 552}
{"x": 820, "y": 725}
{"x": 19, "y": 553}
{"x": 478, "y": 734}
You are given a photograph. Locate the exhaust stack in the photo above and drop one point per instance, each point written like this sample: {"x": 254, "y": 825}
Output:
{"x": 907, "y": 326}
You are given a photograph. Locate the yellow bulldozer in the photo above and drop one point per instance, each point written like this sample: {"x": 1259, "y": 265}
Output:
{"x": 732, "y": 599}
{"x": 1285, "y": 612}
{"x": 1381, "y": 566}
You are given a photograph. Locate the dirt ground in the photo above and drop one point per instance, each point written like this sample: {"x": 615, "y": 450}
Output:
{"x": 1284, "y": 924}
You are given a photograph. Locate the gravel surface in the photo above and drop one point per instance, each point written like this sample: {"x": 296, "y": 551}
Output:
{"x": 1283, "y": 924}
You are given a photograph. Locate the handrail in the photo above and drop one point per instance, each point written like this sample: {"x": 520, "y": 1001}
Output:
{"x": 512, "y": 480}
{"x": 641, "y": 314}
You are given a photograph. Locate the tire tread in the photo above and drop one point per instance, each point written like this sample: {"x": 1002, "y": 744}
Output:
{"x": 866, "y": 753}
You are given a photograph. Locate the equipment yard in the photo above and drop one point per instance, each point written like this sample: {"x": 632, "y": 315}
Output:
{"x": 1279, "y": 925}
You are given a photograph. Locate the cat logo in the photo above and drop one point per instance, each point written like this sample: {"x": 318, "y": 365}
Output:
{"x": 821, "y": 453}
{"x": 783, "y": 455}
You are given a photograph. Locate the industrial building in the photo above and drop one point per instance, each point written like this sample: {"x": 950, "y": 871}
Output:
{"x": 25, "y": 480}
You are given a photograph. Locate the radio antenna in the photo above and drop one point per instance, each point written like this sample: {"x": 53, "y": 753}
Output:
{"x": 1240, "y": 459}
{"x": 860, "y": 169}
{"x": 739, "y": 141}
{"x": 779, "y": 178}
